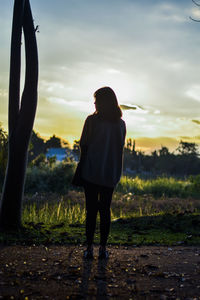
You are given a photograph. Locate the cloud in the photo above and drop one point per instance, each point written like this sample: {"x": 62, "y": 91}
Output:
{"x": 194, "y": 92}
{"x": 157, "y": 112}
{"x": 196, "y": 122}
{"x": 150, "y": 144}
{"x": 146, "y": 51}
{"x": 127, "y": 107}
{"x": 3, "y": 93}
{"x": 194, "y": 139}
{"x": 134, "y": 107}
{"x": 170, "y": 12}
{"x": 185, "y": 137}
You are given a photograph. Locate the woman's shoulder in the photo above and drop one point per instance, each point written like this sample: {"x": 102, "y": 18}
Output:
{"x": 91, "y": 118}
{"x": 96, "y": 118}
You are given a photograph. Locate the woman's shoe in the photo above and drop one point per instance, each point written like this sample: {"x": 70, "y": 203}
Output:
{"x": 88, "y": 254}
{"x": 103, "y": 253}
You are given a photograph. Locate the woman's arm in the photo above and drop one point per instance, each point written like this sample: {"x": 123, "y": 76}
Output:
{"x": 86, "y": 133}
{"x": 85, "y": 137}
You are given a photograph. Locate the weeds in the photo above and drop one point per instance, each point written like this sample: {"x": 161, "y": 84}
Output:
{"x": 142, "y": 212}
{"x": 161, "y": 186}
{"x": 53, "y": 213}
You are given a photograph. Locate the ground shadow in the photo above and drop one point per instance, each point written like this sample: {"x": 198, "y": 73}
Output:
{"x": 87, "y": 267}
{"x": 100, "y": 279}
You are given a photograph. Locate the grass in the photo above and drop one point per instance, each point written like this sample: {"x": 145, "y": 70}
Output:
{"x": 136, "y": 220}
{"x": 53, "y": 214}
{"x": 161, "y": 186}
{"x": 148, "y": 230}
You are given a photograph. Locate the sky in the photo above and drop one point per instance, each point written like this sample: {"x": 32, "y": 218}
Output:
{"x": 147, "y": 51}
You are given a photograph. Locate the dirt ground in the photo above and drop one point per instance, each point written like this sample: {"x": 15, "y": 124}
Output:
{"x": 60, "y": 272}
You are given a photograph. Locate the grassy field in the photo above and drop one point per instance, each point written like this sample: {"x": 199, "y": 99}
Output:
{"x": 159, "y": 211}
{"x": 161, "y": 186}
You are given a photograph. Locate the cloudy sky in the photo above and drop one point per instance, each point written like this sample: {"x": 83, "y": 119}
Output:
{"x": 147, "y": 51}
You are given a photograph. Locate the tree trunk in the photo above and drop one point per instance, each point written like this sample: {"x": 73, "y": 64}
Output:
{"x": 21, "y": 114}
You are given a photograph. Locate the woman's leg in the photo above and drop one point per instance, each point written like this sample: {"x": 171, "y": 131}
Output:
{"x": 91, "y": 196}
{"x": 104, "y": 209}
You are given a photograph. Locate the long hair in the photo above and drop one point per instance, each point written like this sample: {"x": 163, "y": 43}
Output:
{"x": 107, "y": 105}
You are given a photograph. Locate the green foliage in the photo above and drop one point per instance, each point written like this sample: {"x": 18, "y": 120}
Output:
{"x": 63, "y": 222}
{"x": 51, "y": 160}
{"x": 195, "y": 184}
{"x": 185, "y": 148}
{"x": 163, "y": 151}
{"x": 183, "y": 163}
{"x": 36, "y": 146}
{"x": 161, "y": 186}
{"x": 54, "y": 213}
{"x": 76, "y": 148}
{"x": 39, "y": 161}
{"x": 53, "y": 142}
{"x": 163, "y": 229}
{"x": 136, "y": 220}
{"x": 49, "y": 179}
{"x": 46, "y": 176}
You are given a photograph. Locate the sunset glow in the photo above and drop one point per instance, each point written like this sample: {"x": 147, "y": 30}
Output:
{"x": 148, "y": 52}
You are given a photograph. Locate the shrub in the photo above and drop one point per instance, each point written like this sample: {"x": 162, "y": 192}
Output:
{"x": 161, "y": 186}
{"x": 195, "y": 184}
{"x": 48, "y": 179}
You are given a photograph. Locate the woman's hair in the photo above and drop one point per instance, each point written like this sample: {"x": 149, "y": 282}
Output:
{"x": 107, "y": 105}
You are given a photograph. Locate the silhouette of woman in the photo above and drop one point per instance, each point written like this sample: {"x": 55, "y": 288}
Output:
{"x": 101, "y": 144}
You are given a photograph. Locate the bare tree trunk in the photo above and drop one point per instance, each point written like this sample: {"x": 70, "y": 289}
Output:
{"x": 21, "y": 114}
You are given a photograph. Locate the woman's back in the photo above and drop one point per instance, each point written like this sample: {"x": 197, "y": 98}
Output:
{"x": 104, "y": 141}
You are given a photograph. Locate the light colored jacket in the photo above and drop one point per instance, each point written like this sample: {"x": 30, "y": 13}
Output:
{"x": 103, "y": 141}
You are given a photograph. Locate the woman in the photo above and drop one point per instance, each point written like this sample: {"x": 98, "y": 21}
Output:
{"x": 101, "y": 143}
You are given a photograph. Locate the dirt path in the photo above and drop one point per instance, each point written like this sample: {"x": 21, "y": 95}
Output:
{"x": 59, "y": 272}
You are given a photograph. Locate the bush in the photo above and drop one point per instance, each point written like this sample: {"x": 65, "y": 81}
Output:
{"x": 161, "y": 186}
{"x": 195, "y": 184}
{"x": 48, "y": 179}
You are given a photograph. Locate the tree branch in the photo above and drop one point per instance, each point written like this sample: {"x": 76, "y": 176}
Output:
{"x": 197, "y": 4}
{"x": 195, "y": 20}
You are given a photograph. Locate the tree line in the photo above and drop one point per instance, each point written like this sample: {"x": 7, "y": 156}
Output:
{"x": 184, "y": 161}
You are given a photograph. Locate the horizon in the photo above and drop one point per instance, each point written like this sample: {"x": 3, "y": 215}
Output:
{"x": 150, "y": 60}
{"x": 143, "y": 144}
